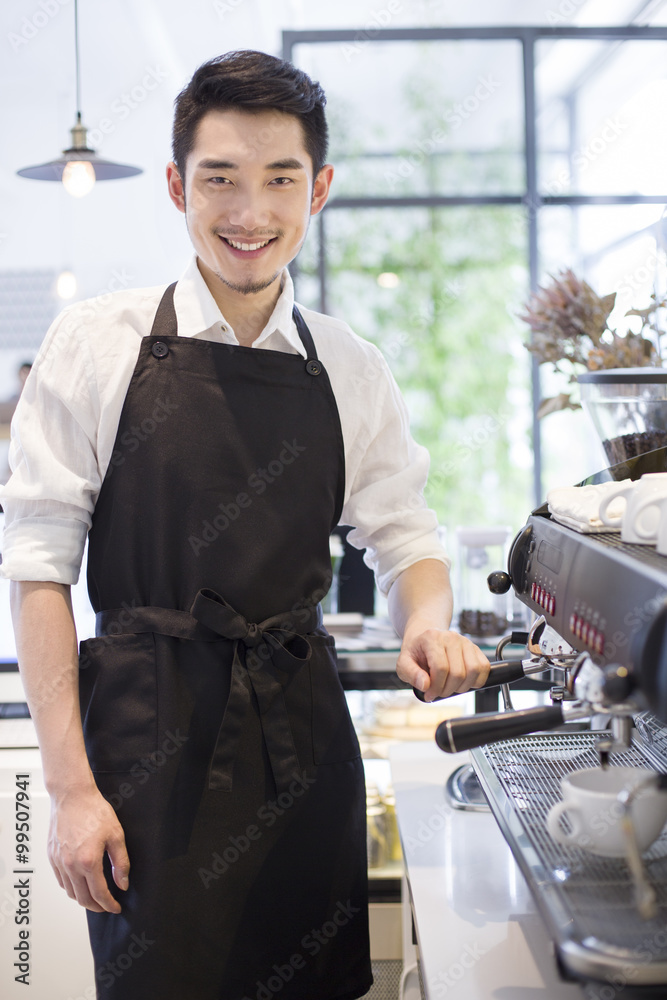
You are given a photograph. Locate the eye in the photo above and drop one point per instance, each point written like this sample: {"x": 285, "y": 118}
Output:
{"x": 282, "y": 181}
{"x": 218, "y": 180}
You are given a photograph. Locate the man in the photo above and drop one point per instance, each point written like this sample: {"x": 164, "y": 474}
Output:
{"x": 208, "y": 438}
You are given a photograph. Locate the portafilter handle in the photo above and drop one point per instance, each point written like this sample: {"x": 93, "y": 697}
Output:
{"x": 455, "y": 735}
{"x": 501, "y": 672}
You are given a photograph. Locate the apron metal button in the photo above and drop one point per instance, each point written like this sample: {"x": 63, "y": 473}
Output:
{"x": 313, "y": 367}
{"x": 159, "y": 349}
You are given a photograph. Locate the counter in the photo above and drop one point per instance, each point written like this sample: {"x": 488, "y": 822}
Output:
{"x": 479, "y": 934}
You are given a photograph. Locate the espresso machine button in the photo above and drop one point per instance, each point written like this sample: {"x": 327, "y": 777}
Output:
{"x": 499, "y": 582}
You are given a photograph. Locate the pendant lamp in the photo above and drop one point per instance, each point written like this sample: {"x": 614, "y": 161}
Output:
{"x": 79, "y": 166}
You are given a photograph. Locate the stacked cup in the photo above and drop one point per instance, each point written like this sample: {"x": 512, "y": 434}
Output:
{"x": 644, "y": 520}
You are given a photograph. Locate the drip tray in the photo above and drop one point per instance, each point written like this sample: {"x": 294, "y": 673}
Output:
{"x": 586, "y": 901}
{"x": 463, "y": 790}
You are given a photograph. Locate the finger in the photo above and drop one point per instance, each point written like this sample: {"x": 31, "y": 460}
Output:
{"x": 455, "y": 678}
{"x": 78, "y": 892}
{"x": 475, "y": 666}
{"x": 444, "y": 673}
{"x": 98, "y": 890}
{"x": 481, "y": 667}
{"x": 90, "y": 883}
{"x": 440, "y": 679}
{"x": 77, "y": 889}
{"x": 412, "y": 672}
{"x": 66, "y": 883}
{"x": 90, "y": 894}
{"x": 120, "y": 862}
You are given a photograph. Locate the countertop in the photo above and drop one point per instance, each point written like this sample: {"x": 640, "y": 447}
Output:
{"x": 479, "y": 934}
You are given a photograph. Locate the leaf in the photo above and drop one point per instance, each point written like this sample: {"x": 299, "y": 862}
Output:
{"x": 553, "y": 404}
{"x": 608, "y": 302}
{"x": 644, "y": 313}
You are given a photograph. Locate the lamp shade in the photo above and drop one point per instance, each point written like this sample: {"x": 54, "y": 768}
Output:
{"x": 105, "y": 170}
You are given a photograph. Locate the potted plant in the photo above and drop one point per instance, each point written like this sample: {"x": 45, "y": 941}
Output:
{"x": 622, "y": 383}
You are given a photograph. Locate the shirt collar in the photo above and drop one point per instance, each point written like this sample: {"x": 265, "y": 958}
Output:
{"x": 198, "y": 313}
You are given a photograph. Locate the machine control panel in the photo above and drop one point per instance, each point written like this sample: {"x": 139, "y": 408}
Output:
{"x": 597, "y": 593}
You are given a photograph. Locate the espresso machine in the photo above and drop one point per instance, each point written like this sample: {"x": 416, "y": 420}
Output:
{"x": 599, "y": 639}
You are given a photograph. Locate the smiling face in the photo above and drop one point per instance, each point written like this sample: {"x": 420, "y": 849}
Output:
{"x": 248, "y": 196}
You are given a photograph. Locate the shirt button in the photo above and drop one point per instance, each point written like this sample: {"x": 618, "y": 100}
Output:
{"x": 313, "y": 367}
{"x": 159, "y": 349}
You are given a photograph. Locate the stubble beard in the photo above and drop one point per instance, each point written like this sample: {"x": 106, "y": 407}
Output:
{"x": 248, "y": 287}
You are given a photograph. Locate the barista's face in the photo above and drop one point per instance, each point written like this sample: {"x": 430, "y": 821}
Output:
{"x": 248, "y": 195}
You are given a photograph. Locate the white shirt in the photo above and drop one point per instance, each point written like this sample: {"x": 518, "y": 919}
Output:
{"x": 65, "y": 425}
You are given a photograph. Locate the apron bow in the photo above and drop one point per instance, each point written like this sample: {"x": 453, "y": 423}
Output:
{"x": 262, "y": 651}
{"x": 258, "y": 650}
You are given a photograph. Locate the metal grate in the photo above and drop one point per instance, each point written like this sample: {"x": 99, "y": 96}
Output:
{"x": 587, "y": 900}
{"x": 647, "y": 554}
{"x": 654, "y": 738}
{"x": 386, "y": 979}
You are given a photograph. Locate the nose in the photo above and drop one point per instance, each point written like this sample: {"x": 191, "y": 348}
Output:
{"x": 249, "y": 212}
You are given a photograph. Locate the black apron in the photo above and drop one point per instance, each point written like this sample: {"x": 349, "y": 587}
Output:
{"x": 214, "y": 719}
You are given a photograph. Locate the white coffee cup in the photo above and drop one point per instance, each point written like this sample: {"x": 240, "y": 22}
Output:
{"x": 659, "y": 505}
{"x": 639, "y": 524}
{"x": 591, "y": 806}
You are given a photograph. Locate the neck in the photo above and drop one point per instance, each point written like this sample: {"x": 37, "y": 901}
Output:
{"x": 247, "y": 314}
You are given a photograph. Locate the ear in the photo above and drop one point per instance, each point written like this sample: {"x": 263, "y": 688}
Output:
{"x": 321, "y": 188}
{"x": 175, "y": 186}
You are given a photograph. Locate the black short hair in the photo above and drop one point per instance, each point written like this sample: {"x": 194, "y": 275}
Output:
{"x": 251, "y": 81}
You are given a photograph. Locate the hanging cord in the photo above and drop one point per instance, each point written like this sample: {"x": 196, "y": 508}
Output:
{"x": 76, "y": 59}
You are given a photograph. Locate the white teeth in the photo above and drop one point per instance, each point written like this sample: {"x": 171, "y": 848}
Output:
{"x": 246, "y": 246}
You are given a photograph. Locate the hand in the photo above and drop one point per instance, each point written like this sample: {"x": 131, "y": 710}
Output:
{"x": 441, "y": 663}
{"x": 83, "y": 826}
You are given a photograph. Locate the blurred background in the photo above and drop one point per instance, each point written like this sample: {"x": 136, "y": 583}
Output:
{"x": 464, "y": 170}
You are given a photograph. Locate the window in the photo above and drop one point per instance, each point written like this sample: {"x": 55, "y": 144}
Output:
{"x": 471, "y": 162}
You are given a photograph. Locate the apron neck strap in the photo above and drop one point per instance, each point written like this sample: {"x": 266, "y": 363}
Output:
{"x": 304, "y": 333}
{"x": 165, "y": 323}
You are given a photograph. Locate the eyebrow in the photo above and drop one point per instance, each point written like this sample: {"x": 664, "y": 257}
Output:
{"x": 288, "y": 164}
{"x": 217, "y": 165}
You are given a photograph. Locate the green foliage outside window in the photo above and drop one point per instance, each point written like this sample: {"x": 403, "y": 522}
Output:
{"x": 448, "y": 328}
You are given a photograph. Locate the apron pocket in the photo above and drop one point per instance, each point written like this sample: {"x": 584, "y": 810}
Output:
{"x": 334, "y": 736}
{"x": 118, "y": 698}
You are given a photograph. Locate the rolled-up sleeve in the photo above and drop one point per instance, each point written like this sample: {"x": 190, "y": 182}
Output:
{"x": 50, "y": 495}
{"x": 385, "y": 503}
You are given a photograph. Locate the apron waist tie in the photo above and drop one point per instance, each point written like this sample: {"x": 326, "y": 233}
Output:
{"x": 259, "y": 649}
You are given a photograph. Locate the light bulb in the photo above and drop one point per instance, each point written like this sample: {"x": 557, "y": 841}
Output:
{"x": 66, "y": 285}
{"x": 78, "y": 177}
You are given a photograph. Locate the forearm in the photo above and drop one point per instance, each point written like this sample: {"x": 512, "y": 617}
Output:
{"x": 47, "y": 655}
{"x": 421, "y": 598}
